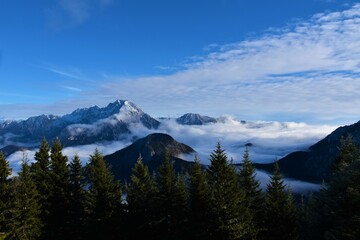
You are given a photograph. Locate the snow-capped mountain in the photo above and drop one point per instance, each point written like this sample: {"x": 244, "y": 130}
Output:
{"x": 195, "y": 119}
{"x": 82, "y": 126}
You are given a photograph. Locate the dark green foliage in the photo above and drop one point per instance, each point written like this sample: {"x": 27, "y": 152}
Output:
{"x": 254, "y": 197}
{"x": 181, "y": 197}
{"x": 168, "y": 199}
{"x": 41, "y": 175}
{"x": 213, "y": 204}
{"x": 77, "y": 199}
{"x": 339, "y": 201}
{"x": 199, "y": 202}
{"x": 59, "y": 196}
{"x": 25, "y": 222}
{"x": 280, "y": 218}
{"x": 307, "y": 217}
{"x": 229, "y": 213}
{"x": 104, "y": 198}
{"x": 141, "y": 199}
{"x": 173, "y": 202}
{"x": 5, "y": 172}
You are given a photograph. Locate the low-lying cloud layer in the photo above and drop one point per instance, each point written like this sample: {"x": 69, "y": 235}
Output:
{"x": 267, "y": 140}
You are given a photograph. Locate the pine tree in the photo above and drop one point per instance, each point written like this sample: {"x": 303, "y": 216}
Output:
{"x": 199, "y": 202}
{"x": 254, "y": 197}
{"x": 229, "y": 212}
{"x": 280, "y": 209}
{"x": 59, "y": 197}
{"x": 104, "y": 198}
{"x": 141, "y": 199}
{"x": 25, "y": 222}
{"x": 5, "y": 172}
{"x": 41, "y": 175}
{"x": 77, "y": 199}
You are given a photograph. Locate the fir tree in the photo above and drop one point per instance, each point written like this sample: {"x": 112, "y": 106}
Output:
{"x": 77, "y": 199}
{"x": 199, "y": 202}
{"x": 280, "y": 216}
{"x": 104, "y": 198}
{"x": 41, "y": 175}
{"x": 141, "y": 200}
{"x": 59, "y": 197}
{"x": 5, "y": 172}
{"x": 254, "y": 197}
{"x": 25, "y": 222}
{"x": 229, "y": 212}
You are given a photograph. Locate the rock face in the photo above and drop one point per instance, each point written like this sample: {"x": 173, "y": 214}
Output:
{"x": 314, "y": 164}
{"x": 152, "y": 149}
{"x": 83, "y": 126}
{"x": 195, "y": 119}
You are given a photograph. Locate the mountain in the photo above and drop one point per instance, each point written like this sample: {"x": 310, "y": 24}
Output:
{"x": 195, "y": 119}
{"x": 152, "y": 149}
{"x": 314, "y": 164}
{"x": 82, "y": 126}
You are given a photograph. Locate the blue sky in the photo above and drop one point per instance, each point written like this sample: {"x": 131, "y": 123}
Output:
{"x": 295, "y": 60}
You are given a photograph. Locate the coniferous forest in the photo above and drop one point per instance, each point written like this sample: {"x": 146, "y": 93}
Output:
{"x": 57, "y": 198}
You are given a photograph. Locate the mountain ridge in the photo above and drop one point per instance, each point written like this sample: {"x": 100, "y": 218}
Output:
{"x": 82, "y": 126}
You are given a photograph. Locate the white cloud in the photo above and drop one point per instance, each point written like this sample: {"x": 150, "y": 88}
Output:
{"x": 309, "y": 70}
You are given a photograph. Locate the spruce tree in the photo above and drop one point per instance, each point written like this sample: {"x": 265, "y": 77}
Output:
{"x": 199, "y": 202}
{"x": 338, "y": 206}
{"x": 181, "y": 206}
{"x": 141, "y": 196}
{"x": 254, "y": 197}
{"x": 166, "y": 183}
{"x": 59, "y": 197}
{"x": 41, "y": 175}
{"x": 104, "y": 199}
{"x": 25, "y": 222}
{"x": 230, "y": 215}
{"x": 280, "y": 217}
{"x": 77, "y": 199}
{"x": 5, "y": 172}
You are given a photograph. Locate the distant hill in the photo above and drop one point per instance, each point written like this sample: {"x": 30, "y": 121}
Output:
{"x": 152, "y": 149}
{"x": 314, "y": 164}
{"x": 10, "y": 149}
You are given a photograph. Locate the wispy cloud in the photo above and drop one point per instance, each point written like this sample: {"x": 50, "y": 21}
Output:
{"x": 73, "y": 12}
{"x": 307, "y": 70}
{"x": 74, "y": 89}
{"x": 64, "y": 73}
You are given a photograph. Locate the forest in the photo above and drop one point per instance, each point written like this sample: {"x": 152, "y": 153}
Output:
{"x": 57, "y": 198}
